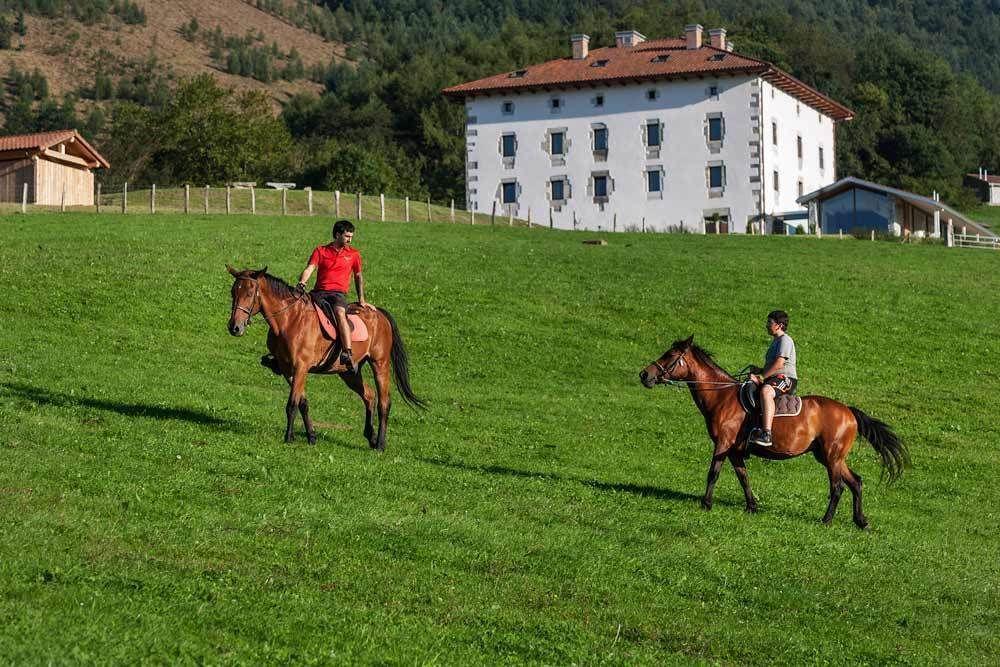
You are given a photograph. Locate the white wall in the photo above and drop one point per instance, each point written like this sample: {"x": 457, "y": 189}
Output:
{"x": 682, "y": 106}
{"x": 794, "y": 119}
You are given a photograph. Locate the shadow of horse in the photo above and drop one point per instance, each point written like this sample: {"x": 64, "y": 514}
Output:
{"x": 62, "y": 400}
{"x": 640, "y": 490}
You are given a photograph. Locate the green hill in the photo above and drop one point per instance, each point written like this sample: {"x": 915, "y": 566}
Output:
{"x": 543, "y": 510}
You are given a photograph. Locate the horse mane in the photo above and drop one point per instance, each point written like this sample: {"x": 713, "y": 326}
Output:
{"x": 702, "y": 355}
{"x": 279, "y": 287}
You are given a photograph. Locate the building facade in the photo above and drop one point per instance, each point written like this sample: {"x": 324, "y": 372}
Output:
{"x": 656, "y": 135}
{"x": 986, "y": 186}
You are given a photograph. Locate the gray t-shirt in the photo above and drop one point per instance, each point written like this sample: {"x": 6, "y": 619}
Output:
{"x": 782, "y": 346}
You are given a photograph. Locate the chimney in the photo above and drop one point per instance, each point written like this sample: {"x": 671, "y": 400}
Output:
{"x": 693, "y": 35}
{"x": 717, "y": 36}
{"x": 581, "y": 46}
{"x": 624, "y": 38}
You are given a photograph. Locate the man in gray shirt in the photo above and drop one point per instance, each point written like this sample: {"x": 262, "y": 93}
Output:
{"x": 779, "y": 375}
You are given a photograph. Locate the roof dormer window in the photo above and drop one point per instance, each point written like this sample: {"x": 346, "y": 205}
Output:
{"x": 718, "y": 56}
{"x": 660, "y": 58}
{"x": 600, "y": 63}
{"x": 518, "y": 74}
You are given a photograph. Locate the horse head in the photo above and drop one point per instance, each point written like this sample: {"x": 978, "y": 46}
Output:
{"x": 246, "y": 298}
{"x": 672, "y": 365}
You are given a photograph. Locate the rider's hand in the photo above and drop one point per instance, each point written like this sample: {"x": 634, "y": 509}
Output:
{"x": 756, "y": 379}
{"x": 300, "y": 289}
{"x": 366, "y": 305}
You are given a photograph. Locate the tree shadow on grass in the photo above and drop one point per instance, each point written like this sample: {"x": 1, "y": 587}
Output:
{"x": 63, "y": 400}
{"x": 644, "y": 491}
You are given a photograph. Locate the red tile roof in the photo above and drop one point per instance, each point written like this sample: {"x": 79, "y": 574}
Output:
{"x": 45, "y": 140}
{"x": 990, "y": 178}
{"x": 652, "y": 60}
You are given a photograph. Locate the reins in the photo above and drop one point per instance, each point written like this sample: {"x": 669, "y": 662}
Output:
{"x": 679, "y": 361}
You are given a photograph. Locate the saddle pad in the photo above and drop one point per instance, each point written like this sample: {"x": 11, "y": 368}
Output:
{"x": 359, "y": 331}
{"x": 787, "y": 405}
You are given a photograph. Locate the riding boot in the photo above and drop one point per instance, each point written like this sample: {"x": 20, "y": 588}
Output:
{"x": 347, "y": 360}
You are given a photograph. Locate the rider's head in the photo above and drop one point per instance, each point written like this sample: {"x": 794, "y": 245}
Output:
{"x": 778, "y": 318}
{"x": 343, "y": 231}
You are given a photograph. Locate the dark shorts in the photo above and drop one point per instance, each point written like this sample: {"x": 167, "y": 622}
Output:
{"x": 782, "y": 384}
{"x": 331, "y": 300}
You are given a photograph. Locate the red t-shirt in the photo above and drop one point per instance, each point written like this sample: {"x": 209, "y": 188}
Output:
{"x": 334, "y": 267}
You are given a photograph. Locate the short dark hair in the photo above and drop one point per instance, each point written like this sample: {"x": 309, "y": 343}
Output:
{"x": 342, "y": 226}
{"x": 780, "y": 318}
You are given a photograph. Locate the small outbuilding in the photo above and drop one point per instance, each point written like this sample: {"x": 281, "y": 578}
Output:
{"x": 54, "y": 165}
{"x": 851, "y": 205}
{"x": 986, "y": 185}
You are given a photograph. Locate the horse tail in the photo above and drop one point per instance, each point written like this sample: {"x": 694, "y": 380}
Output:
{"x": 890, "y": 448}
{"x": 401, "y": 365}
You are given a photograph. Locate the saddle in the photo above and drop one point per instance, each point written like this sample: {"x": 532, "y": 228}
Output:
{"x": 785, "y": 405}
{"x": 359, "y": 330}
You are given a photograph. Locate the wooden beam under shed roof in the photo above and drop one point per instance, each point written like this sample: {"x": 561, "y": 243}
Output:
{"x": 67, "y": 158}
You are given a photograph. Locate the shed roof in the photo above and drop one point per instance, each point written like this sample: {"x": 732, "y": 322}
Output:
{"x": 42, "y": 141}
{"x": 992, "y": 179}
{"x": 653, "y": 60}
{"x": 925, "y": 204}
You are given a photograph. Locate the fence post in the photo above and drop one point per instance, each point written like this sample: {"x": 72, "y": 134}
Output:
{"x": 574, "y": 219}
{"x": 206, "y": 199}
{"x": 358, "y": 206}
{"x": 309, "y": 199}
{"x": 62, "y": 201}
{"x": 614, "y": 223}
{"x": 97, "y": 200}
{"x": 472, "y": 216}
{"x": 644, "y": 225}
{"x": 125, "y": 197}
{"x": 429, "y": 208}
{"x": 453, "y": 211}
{"x": 407, "y": 208}
{"x": 510, "y": 217}
{"x": 284, "y": 201}
{"x": 840, "y": 233}
{"x": 152, "y": 198}
{"x": 529, "y": 217}
{"x": 381, "y": 207}
{"x": 187, "y": 198}
{"x": 229, "y": 199}
{"x": 24, "y": 197}
{"x": 949, "y": 240}
{"x": 253, "y": 200}
{"x": 336, "y": 202}
{"x": 551, "y": 222}
{"x": 873, "y": 235}
{"x": 493, "y": 215}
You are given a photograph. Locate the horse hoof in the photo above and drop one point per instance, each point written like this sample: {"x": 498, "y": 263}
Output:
{"x": 312, "y": 440}
{"x": 863, "y": 525}
{"x": 289, "y": 439}
{"x": 751, "y": 509}
{"x": 707, "y": 506}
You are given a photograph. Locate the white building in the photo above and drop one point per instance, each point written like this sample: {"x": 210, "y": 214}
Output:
{"x": 656, "y": 134}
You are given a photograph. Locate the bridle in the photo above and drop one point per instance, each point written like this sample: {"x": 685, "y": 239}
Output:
{"x": 667, "y": 372}
{"x": 254, "y": 302}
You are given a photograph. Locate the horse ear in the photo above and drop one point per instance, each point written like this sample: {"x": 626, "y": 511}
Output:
{"x": 233, "y": 272}
{"x": 258, "y": 274}
{"x": 689, "y": 341}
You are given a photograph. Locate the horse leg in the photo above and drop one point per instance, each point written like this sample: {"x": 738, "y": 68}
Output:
{"x": 304, "y": 411}
{"x": 296, "y": 393}
{"x": 740, "y": 466}
{"x": 836, "y": 488}
{"x": 853, "y": 480}
{"x": 357, "y": 384}
{"x": 713, "y": 476}
{"x": 381, "y": 368}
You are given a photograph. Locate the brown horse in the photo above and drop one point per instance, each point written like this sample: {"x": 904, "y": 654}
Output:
{"x": 824, "y": 427}
{"x": 296, "y": 342}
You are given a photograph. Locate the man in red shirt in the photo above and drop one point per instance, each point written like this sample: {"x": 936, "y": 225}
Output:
{"x": 334, "y": 263}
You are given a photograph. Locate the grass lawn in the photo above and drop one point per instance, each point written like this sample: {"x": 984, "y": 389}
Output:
{"x": 543, "y": 510}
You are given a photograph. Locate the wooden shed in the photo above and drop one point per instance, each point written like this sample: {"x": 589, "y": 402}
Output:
{"x": 51, "y": 164}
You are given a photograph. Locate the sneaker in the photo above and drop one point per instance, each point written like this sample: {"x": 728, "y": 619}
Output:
{"x": 763, "y": 438}
{"x": 347, "y": 361}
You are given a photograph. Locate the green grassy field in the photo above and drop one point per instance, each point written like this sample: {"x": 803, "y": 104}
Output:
{"x": 543, "y": 510}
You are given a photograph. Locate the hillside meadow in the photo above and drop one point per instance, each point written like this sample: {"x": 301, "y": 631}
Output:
{"x": 543, "y": 510}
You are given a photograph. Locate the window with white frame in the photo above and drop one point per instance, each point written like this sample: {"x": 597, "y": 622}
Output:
{"x": 507, "y": 108}
{"x": 801, "y": 188}
{"x": 652, "y": 94}
{"x": 774, "y": 132}
{"x": 715, "y": 178}
{"x": 555, "y": 104}
{"x": 775, "y": 179}
{"x": 713, "y": 92}
{"x": 715, "y": 130}
{"x": 822, "y": 161}
{"x": 600, "y": 187}
{"x": 559, "y": 192}
{"x": 599, "y": 141}
{"x": 599, "y": 100}
{"x": 557, "y": 143}
{"x": 798, "y": 146}
{"x": 508, "y": 145}
{"x": 654, "y": 182}
{"x": 653, "y": 133}
{"x": 508, "y": 192}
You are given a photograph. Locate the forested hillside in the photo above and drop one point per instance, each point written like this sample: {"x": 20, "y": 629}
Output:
{"x": 923, "y": 78}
